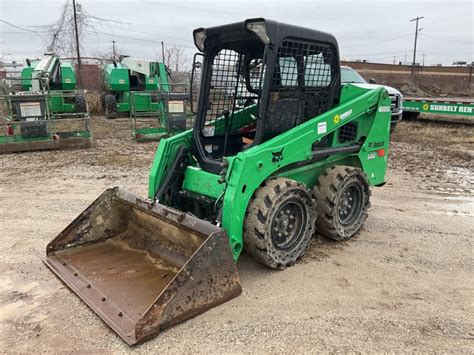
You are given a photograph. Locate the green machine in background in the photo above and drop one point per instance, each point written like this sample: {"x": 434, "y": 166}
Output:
{"x": 43, "y": 109}
{"x": 58, "y": 78}
{"x": 142, "y": 90}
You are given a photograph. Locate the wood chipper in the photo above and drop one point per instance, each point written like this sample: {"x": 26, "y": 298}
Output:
{"x": 144, "y": 91}
{"x": 279, "y": 152}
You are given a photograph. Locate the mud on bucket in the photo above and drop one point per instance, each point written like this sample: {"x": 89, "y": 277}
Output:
{"x": 143, "y": 268}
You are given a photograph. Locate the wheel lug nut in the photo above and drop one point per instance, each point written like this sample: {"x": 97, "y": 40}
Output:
{"x": 275, "y": 229}
{"x": 287, "y": 211}
{"x": 285, "y": 234}
{"x": 279, "y": 235}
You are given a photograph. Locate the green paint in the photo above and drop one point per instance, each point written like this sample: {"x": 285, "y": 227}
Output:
{"x": 369, "y": 108}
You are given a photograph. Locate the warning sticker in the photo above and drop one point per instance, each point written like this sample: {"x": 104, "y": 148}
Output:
{"x": 384, "y": 109}
{"x": 30, "y": 109}
{"x": 322, "y": 127}
{"x": 208, "y": 131}
{"x": 175, "y": 106}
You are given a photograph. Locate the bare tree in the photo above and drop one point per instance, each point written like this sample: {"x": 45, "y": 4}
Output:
{"x": 61, "y": 39}
{"x": 176, "y": 61}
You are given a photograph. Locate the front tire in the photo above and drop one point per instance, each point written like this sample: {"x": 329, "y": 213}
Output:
{"x": 342, "y": 200}
{"x": 110, "y": 106}
{"x": 279, "y": 223}
{"x": 80, "y": 104}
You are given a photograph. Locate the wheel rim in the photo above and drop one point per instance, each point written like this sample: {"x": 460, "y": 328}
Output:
{"x": 349, "y": 205}
{"x": 288, "y": 224}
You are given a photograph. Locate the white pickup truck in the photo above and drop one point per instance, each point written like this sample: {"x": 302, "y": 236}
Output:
{"x": 349, "y": 75}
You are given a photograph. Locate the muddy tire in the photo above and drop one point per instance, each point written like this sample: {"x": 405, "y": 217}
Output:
{"x": 80, "y": 105}
{"x": 342, "y": 202}
{"x": 279, "y": 223}
{"x": 110, "y": 104}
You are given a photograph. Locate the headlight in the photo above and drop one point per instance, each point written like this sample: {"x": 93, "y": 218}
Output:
{"x": 259, "y": 28}
{"x": 200, "y": 38}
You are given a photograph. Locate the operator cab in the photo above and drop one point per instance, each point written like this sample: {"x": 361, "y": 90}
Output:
{"x": 260, "y": 78}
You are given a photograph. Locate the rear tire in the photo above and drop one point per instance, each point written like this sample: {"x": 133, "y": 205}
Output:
{"x": 110, "y": 104}
{"x": 342, "y": 202}
{"x": 279, "y": 223}
{"x": 80, "y": 105}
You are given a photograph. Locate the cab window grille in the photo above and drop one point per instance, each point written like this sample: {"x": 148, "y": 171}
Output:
{"x": 347, "y": 133}
{"x": 228, "y": 91}
{"x": 302, "y": 84}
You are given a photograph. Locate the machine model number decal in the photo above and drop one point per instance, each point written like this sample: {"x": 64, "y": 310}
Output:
{"x": 322, "y": 127}
{"x": 121, "y": 81}
{"x": 346, "y": 114}
{"x": 67, "y": 80}
{"x": 371, "y": 156}
{"x": 277, "y": 156}
{"x": 376, "y": 144}
{"x": 384, "y": 109}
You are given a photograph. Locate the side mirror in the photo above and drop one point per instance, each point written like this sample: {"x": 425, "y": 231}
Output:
{"x": 372, "y": 81}
{"x": 196, "y": 65}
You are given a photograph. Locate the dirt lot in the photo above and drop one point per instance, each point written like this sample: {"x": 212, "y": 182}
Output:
{"x": 403, "y": 284}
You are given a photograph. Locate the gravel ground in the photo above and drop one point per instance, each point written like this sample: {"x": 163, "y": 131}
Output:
{"x": 404, "y": 284}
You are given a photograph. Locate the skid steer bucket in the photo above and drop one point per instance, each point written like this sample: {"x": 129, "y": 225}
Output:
{"x": 142, "y": 267}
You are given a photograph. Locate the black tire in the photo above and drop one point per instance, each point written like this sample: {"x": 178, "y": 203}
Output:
{"x": 110, "y": 104}
{"x": 80, "y": 105}
{"x": 269, "y": 215}
{"x": 337, "y": 188}
{"x": 102, "y": 100}
{"x": 154, "y": 98}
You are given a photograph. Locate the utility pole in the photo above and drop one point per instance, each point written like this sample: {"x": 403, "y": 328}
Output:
{"x": 163, "y": 52}
{"x": 416, "y": 39}
{"x": 113, "y": 50}
{"x": 394, "y": 59}
{"x": 424, "y": 59}
{"x": 77, "y": 42}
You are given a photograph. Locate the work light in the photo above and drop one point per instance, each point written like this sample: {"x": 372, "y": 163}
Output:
{"x": 259, "y": 28}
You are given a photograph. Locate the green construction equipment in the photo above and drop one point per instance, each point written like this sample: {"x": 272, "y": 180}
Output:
{"x": 279, "y": 151}
{"x": 43, "y": 109}
{"x": 143, "y": 90}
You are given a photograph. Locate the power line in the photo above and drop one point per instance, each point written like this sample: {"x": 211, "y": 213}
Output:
{"x": 21, "y": 28}
{"x": 446, "y": 39}
{"x": 383, "y": 40}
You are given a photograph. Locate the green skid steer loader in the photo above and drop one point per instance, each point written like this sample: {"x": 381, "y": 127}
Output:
{"x": 279, "y": 152}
